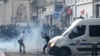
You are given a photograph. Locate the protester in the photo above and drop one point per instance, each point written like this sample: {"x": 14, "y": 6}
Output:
{"x": 47, "y": 38}
{"x": 21, "y": 43}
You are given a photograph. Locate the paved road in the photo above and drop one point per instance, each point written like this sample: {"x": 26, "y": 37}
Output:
{"x": 34, "y": 54}
{"x": 26, "y": 54}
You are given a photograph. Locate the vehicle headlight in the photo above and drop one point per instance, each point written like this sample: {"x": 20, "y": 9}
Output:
{"x": 53, "y": 43}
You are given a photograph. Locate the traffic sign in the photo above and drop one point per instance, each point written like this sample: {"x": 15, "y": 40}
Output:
{"x": 56, "y": 15}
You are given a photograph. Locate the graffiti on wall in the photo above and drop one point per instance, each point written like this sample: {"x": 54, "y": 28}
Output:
{"x": 21, "y": 13}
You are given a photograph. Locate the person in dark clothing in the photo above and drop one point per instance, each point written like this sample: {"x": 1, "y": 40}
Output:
{"x": 20, "y": 41}
{"x": 47, "y": 38}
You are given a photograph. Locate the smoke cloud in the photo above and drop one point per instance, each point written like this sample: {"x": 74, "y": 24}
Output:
{"x": 33, "y": 41}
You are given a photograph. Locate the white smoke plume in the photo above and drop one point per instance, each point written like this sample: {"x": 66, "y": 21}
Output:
{"x": 33, "y": 41}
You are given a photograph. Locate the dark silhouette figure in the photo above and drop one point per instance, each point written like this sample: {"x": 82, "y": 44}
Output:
{"x": 47, "y": 38}
{"x": 81, "y": 17}
{"x": 20, "y": 41}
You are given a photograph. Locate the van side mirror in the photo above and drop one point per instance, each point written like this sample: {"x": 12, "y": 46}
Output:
{"x": 70, "y": 36}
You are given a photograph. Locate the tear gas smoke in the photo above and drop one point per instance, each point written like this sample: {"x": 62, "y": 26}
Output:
{"x": 33, "y": 41}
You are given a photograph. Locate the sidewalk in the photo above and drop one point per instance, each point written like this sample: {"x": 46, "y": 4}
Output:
{"x": 2, "y": 53}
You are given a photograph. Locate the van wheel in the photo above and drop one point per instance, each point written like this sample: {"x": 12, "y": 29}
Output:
{"x": 64, "y": 52}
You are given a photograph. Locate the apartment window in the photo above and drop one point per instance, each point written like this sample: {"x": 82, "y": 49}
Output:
{"x": 82, "y": 0}
{"x": 94, "y": 30}
{"x": 86, "y": 0}
{"x": 67, "y": 1}
{"x": 78, "y": 1}
{"x": 86, "y": 15}
{"x": 58, "y": 8}
{"x": 71, "y": 1}
{"x": 48, "y": 1}
{"x": 98, "y": 11}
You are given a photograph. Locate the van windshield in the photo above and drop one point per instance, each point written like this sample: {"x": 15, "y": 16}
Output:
{"x": 71, "y": 27}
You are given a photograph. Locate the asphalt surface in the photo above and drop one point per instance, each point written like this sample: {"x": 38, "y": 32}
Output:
{"x": 33, "y": 54}
{"x": 26, "y": 54}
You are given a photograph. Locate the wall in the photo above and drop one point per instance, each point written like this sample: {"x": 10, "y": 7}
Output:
{"x": 5, "y": 12}
{"x": 78, "y": 2}
{"x": 21, "y": 7}
{"x": 49, "y": 11}
{"x": 87, "y": 10}
{"x": 80, "y": 5}
{"x": 1, "y": 12}
{"x": 69, "y": 2}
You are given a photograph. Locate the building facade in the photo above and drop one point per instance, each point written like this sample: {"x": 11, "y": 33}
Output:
{"x": 21, "y": 11}
{"x": 49, "y": 14}
{"x": 14, "y": 11}
{"x": 97, "y": 8}
{"x": 72, "y": 5}
{"x": 84, "y": 8}
{"x": 5, "y": 12}
{"x": 80, "y": 8}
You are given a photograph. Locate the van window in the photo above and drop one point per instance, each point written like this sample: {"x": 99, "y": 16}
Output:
{"x": 78, "y": 31}
{"x": 94, "y": 30}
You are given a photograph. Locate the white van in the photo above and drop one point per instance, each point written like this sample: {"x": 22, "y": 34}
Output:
{"x": 77, "y": 39}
